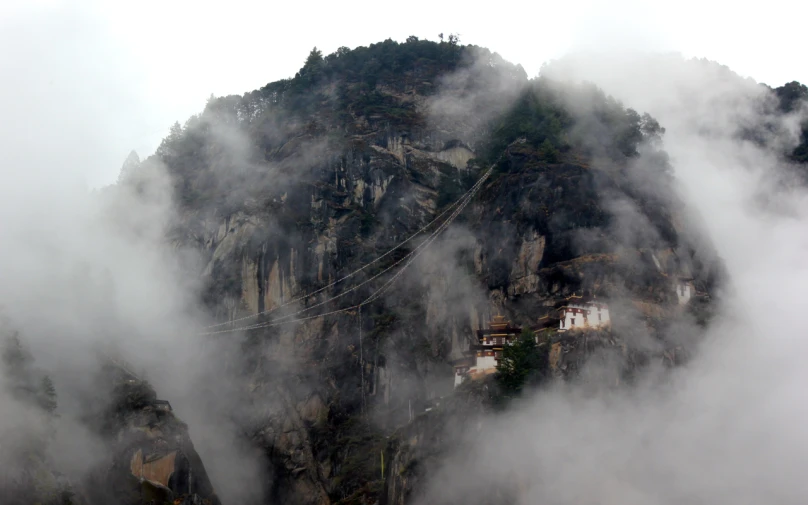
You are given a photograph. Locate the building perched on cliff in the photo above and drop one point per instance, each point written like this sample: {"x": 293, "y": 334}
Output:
{"x": 582, "y": 312}
{"x": 684, "y": 290}
{"x": 485, "y": 354}
{"x": 549, "y": 322}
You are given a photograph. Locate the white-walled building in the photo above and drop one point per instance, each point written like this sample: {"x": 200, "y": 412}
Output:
{"x": 578, "y": 312}
{"x": 684, "y": 291}
{"x": 461, "y": 369}
{"x": 486, "y": 362}
{"x": 483, "y": 356}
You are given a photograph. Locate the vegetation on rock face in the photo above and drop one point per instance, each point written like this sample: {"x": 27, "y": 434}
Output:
{"x": 329, "y": 95}
{"x": 28, "y": 477}
{"x": 332, "y": 96}
{"x": 792, "y": 97}
{"x": 307, "y": 179}
{"x": 524, "y": 363}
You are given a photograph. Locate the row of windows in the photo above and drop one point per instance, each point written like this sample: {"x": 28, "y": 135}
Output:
{"x": 494, "y": 341}
{"x": 497, "y": 354}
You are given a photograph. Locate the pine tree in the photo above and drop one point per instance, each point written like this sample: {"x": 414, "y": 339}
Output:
{"x": 130, "y": 165}
{"x": 548, "y": 151}
{"x": 168, "y": 147}
{"x": 47, "y": 395}
{"x": 15, "y": 356}
{"x": 315, "y": 58}
{"x": 522, "y": 363}
{"x": 17, "y": 365}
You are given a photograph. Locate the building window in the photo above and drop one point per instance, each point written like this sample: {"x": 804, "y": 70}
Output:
{"x": 572, "y": 322}
{"x": 599, "y": 318}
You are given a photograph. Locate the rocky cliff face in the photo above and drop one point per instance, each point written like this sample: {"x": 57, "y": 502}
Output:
{"x": 320, "y": 182}
{"x": 125, "y": 446}
{"x": 151, "y": 457}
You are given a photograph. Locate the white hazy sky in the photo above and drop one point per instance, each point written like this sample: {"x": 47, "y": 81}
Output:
{"x": 105, "y": 77}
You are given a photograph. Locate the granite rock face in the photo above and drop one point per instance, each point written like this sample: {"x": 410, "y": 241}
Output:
{"x": 331, "y": 184}
{"x": 151, "y": 456}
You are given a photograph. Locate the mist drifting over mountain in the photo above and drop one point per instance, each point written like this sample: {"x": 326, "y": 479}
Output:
{"x": 290, "y": 299}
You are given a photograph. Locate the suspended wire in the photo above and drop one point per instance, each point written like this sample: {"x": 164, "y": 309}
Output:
{"x": 461, "y": 204}
{"x": 355, "y": 272}
{"x": 463, "y": 201}
{"x": 280, "y": 320}
{"x": 379, "y": 292}
{"x": 427, "y": 242}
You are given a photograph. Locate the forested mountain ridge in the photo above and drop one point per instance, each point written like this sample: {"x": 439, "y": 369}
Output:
{"x": 299, "y": 201}
{"x": 291, "y": 187}
{"x": 148, "y": 456}
{"x": 793, "y": 96}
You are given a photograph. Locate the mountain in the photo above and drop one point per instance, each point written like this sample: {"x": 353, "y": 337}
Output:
{"x": 147, "y": 455}
{"x": 792, "y": 97}
{"x": 287, "y": 190}
{"x": 151, "y": 456}
{"x": 360, "y": 227}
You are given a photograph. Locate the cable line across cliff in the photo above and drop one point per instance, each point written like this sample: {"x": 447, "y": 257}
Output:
{"x": 459, "y": 205}
{"x": 360, "y": 269}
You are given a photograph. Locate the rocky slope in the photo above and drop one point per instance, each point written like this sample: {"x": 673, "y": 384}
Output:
{"x": 127, "y": 447}
{"x": 292, "y": 187}
{"x": 151, "y": 457}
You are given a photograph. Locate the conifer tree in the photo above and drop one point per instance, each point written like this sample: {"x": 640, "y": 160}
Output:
{"x": 522, "y": 363}
{"x": 129, "y": 166}
{"x": 47, "y": 395}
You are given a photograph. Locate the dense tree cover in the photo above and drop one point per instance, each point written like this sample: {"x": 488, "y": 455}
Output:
{"x": 27, "y": 477}
{"x": 381, "y": 63}
{"x": 330, "y": 91}
{"x": 522, "y": 364}
{"x": 358, "y": 72}
{"x": 322, "y": 99}
{"x": 555, "y": 118}
{"x": 129, "y": 167}
{"x": 792, "y": 97}
{"x": 22, "y": 380}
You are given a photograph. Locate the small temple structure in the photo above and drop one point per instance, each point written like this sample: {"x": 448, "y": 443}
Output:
{"x": 684, "y": 290}
{"x": 581, "y": 312}
{"x": 483, "y": 356}
{"x": 574, "y": 312}
{"x": 547, "y": 322}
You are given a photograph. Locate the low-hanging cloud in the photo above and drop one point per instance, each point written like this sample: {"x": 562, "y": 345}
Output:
{"x": 724, "y": 428}
{"x": 85, "y": 270}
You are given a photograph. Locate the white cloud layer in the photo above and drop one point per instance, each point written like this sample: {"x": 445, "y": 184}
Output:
{"x": 121, "y": 74}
